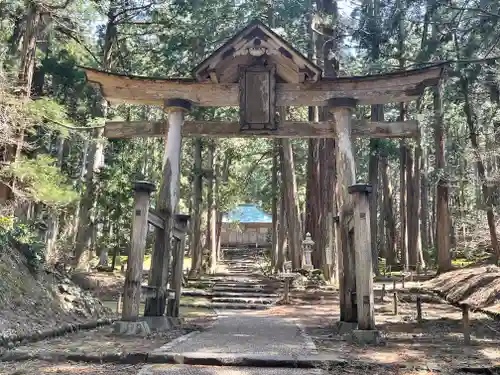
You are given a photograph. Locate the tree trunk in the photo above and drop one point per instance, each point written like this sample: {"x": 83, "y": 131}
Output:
{"x": 424, "y": 206}
{"x": 292, "y": 207}
{"x": 53, "y": 221}
{"x": 330, "y": 51}
{"x": 486, "y": 191}
{"x": 442, "y": 210}
{"x": 211, "y": 209}
{"x": 411, "y": 235}
{"x": 388, "y": 213}
{"x": 26, "y": 72}
{"x": 274, "y": 207}
{"x": 373, "y": 178}
{"x": 402, "y": 205}
{"x": 196, "y": 249}
{"x": 85, "y": 217}
{"x": 282, "y": 230}
{"x": 95, "y": 158}
{"x": 222, "y": 180}
{"x": 313, "y": 194}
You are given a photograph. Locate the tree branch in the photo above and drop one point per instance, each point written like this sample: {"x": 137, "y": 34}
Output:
{"x": 472, "y": 9}
{"x": 67, "y": 32}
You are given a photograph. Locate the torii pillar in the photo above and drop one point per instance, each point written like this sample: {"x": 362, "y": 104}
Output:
{"x": 342, "y": 109}
{"x": 356, "y": 285}
{"x": 168, "y": 200}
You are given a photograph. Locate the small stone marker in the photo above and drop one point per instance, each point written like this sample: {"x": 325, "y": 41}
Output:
{"x": 328, "y": 253}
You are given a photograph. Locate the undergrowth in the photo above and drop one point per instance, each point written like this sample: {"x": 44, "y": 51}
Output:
{"x": 23, "y": 237}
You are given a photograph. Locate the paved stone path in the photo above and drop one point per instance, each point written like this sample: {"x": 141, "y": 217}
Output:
{"x": 213, "y": 370}
{"x": 240, "y": 334}
{"x": 244, "y": 333}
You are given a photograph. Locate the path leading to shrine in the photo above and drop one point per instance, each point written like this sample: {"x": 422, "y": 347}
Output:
{"x": 241, "y": 334}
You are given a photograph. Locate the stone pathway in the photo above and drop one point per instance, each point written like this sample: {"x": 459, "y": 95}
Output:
{"x": 246, "y": 334}
{"x": 240, "y": 335}
{"x": 213, "y": 370}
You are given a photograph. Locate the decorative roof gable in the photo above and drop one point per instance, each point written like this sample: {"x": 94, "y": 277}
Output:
{"x": 257, "y": 42}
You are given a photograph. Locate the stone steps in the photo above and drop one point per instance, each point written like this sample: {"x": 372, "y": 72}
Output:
{"x": 244, "y": 290}
{"x": 241, "y": 286}
{"x": 225, "y": 306}
{"x": 196, "y": 293}
{"x": 245, "y": 295}
{"x": 244, "y": 300}
{"x": 237, "y": 306}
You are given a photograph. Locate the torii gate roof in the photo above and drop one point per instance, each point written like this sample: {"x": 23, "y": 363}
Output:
{"x": 299, "y": 81}
{"x": 399, "y": 86}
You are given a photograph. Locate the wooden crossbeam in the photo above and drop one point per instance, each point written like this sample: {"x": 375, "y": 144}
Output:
{"x": 360, "y": 128}
{"x": 155, "y": 219}
{"x": 393, "y": 87}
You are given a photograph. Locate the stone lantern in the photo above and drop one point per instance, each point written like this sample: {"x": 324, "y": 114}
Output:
{"x": 307, "y": 246}
{"x": 287, "y": 266}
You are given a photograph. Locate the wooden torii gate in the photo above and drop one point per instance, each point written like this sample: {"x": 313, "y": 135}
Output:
{"x": 260, "y": 72}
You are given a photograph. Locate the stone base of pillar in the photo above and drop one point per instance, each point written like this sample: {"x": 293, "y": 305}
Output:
{"x": 343, "y": 328}
{"x": 366, "y": 337}
{"x": 138, "y": 328}
{"x": 161, "y": 323}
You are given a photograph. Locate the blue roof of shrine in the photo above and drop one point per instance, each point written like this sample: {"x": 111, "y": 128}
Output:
{"x": 247, "y": 213}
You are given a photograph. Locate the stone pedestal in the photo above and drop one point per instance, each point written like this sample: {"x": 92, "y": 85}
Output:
{"x": 161, "y": 323}
{"x": 345, "y": 327}
{"x": 139, "y": 328}
{"x": 366, "y": 337}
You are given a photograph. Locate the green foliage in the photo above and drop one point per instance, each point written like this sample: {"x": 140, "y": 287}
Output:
{"x": 40, "y": 181}
{"x": 52, "y": 112}
{"x": 23, "y": 236}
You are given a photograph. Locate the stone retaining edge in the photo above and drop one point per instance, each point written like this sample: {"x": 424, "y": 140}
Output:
{"x": 230, "y": 361}
{"x": 17, "y": 340}
{"x": 310, "y": 345}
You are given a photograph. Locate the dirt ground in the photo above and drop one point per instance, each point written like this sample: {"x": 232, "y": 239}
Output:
{"x": 72, "y": 368}
{"x": 65, "y": 368}
{"x": 436, "y": 343}
{"x": 101, "y": 341}
{"x": 36, "y": 302}
{"x": 103, "y": 285}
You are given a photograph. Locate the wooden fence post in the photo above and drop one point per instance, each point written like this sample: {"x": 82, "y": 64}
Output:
{"x": 363, "y": 256}
{"x": 133, "y": 275}
{"x": 466, "y": 324}
{"x": 419, "y": 309}
{"x": 395, "y": 301}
